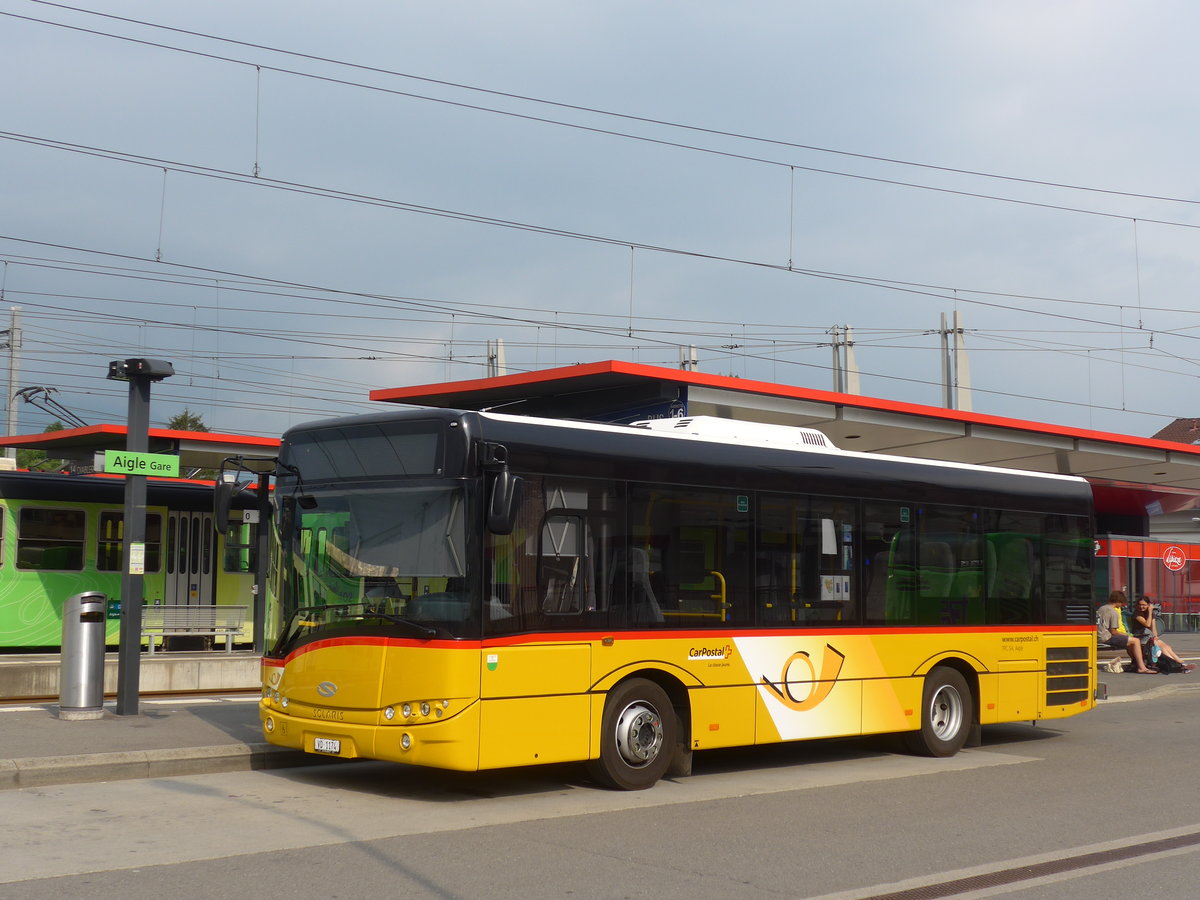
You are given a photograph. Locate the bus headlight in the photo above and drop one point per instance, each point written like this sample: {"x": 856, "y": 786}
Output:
{"x": 405, "y": 741}
{"x": 389, "y": 713}
{"x": 424, "y": 709}
{"x": 406, "y": 710}
{"x": 284, "y": 702}
{"x": 269, "y": 724}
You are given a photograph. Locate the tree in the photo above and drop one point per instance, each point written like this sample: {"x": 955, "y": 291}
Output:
{"x": 190, "y": 421}
{"x": 187, "y": 421}
{"x": 36, "y": 459}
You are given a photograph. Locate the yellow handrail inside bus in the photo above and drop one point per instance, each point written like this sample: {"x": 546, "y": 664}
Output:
{"x": 722, "y": 606}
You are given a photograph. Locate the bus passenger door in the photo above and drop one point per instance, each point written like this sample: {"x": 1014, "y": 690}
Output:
{"x": 189, "y": 559}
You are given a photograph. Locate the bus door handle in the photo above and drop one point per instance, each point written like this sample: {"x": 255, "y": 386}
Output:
{"x": 722, "y": 606}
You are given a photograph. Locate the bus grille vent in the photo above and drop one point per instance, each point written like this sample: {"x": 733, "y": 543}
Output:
{"x": 1068, "y": 676}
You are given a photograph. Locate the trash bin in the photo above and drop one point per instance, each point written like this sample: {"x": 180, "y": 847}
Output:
{"x": 81, "y": 676}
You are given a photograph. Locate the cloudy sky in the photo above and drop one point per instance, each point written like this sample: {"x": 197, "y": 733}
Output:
{"x": 296, "y": 203}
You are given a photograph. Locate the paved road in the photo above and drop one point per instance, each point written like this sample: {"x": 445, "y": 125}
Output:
{"x": 839, "y": 818}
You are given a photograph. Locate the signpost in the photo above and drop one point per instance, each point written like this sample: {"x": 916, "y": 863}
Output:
{"x": 136, "y": 463}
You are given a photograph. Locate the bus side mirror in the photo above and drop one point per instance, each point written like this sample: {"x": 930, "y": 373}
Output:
{"x": 505, "y": 502}
{"x": 222, "y": 502}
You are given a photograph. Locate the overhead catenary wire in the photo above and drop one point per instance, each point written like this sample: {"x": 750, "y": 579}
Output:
{"x": 648, "y": 120}
{"x": 883, "y": 376}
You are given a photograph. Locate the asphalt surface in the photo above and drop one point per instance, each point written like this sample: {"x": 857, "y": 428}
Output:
{"x": 220, "y": 733}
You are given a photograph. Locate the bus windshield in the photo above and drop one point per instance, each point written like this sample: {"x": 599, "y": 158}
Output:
{"x": 383, "y": 560}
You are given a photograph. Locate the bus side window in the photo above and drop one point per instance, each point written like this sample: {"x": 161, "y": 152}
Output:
{"x": 564, "y": 568}
{"x": 949, "y": 567}
{"x": 1013, "y": 573}
{"x": 1068, "y": 549}
{"x": 889, "y": 563}
{"x": 697, "y": 549}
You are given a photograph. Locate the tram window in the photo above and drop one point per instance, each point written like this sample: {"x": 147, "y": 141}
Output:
{"x": 207, "y": 530}
{"x": 241, "y": 547}
{"x": 171, "y": 537}
{"x": 1, "y": 539}
{"x": 110, "y": 541}
{"x": 181, "y": 546}
{"x": 50, "y": 539}
{"x": 195, "y": 545}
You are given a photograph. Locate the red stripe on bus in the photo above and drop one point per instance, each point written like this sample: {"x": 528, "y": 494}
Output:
{"x": 595, "y": 637}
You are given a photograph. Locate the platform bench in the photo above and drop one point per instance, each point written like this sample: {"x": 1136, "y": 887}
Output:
{"x": 201, "y": 621}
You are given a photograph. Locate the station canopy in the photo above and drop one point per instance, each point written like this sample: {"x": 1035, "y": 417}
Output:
{"x": 195, "y": 449}
{"x": 1129, "y": 473}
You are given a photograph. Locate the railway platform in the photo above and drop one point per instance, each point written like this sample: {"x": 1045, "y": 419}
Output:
{"x": 188, "y": 734}
{"x": 34, "y": 676}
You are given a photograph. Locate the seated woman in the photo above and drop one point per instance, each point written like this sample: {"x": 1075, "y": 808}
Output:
{"x": 1144, "y": 627}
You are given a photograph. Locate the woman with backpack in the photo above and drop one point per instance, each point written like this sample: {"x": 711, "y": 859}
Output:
{"x": 1144, "y": 627}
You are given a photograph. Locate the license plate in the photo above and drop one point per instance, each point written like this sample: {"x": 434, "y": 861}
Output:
{"x": 327, "y": 745}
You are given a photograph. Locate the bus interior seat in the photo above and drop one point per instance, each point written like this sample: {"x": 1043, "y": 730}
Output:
{"x": 629, "y": 586}
{"x": 1012, "y": 574}
{"x": 771, "y": 590}
{"x": 937, "y": 569}
{"x": 875, "y": 591}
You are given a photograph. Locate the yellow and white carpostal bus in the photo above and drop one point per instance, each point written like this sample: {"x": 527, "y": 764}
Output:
{"x": 470, "y": 591}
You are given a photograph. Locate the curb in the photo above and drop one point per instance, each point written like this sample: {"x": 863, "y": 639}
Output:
{"x": 125, "y": 764}
{"x": 1160, "y": 691}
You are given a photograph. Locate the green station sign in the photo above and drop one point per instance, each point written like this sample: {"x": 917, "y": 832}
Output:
{"x": 122, "y": 462}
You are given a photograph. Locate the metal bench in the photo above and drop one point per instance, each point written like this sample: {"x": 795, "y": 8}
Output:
{"x": 202, "y": 621}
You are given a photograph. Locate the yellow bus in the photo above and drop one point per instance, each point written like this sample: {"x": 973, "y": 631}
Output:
{"x": 471, "y": 591}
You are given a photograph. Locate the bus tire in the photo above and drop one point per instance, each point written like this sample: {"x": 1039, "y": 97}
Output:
{"x": 637, "y": 736}
{"x": 947, "y": 714}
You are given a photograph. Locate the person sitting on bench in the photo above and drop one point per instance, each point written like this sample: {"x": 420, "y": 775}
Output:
{"x": 1111, "y": 630}
{"x": 1144, "y": 628}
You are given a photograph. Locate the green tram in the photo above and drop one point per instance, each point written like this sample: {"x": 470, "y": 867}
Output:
{"x": 63, "y": 534}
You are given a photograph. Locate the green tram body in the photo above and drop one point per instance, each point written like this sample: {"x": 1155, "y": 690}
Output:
{"x": 61, "y": 535}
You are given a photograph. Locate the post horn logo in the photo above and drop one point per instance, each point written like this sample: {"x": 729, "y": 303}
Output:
{"x": 817, "y": 688}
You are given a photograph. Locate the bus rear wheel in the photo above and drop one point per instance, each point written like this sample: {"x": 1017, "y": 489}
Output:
{"x": 947, "y": 712}
{"x": 637, "y": 736}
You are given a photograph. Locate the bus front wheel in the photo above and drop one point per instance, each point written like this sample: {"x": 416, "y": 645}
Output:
{"x": 637, "y": 736}
{"x": 947, "y": 712}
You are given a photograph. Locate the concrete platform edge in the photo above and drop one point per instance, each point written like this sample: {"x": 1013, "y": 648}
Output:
{"x": 124, "y": 764}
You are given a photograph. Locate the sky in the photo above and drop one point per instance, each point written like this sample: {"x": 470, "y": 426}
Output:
{"x": 297, "y": 203}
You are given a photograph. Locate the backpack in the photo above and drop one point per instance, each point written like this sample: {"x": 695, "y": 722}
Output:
{"x": 1168, "y": 666}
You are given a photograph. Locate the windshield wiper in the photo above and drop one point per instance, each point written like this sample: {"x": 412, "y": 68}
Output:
{"x": 423, "y": 630}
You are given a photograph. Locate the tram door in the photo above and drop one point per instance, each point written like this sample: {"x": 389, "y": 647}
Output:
{"x": 190, "y": 559}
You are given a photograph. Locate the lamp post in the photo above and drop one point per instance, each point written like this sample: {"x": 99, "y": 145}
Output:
{"x": 140, "y": 373}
